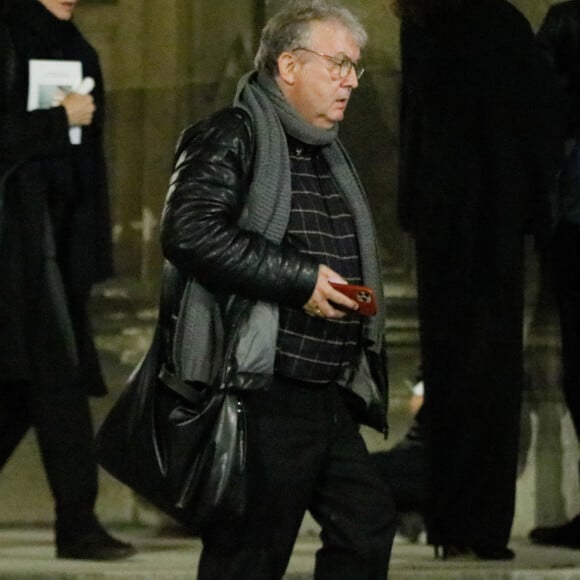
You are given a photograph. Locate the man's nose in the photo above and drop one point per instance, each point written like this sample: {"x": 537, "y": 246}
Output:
{"x": 351, "y": 79}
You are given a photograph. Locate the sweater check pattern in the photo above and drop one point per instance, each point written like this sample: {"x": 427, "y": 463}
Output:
{"x": 315, "y": 350}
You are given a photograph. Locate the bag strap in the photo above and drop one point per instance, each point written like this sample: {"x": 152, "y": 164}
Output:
{"x": 172, "y": 285}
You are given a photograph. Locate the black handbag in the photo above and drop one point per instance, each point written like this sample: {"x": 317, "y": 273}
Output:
{"x": 180, "y": 446}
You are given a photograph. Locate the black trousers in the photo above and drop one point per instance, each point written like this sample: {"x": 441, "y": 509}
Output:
{"x": 470, "y": 298}
{"x": 566, "y": 270}
{"x": 62, "y": 422}
{"x": 305, "y": 453}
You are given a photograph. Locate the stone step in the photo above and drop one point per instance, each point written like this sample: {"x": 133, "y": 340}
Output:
{"x": 28, "y": 554}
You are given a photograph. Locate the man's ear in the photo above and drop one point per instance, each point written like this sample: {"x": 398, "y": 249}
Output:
{"x": 287, "y": 68}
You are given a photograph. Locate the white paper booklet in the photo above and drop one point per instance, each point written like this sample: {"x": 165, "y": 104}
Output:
{"x": 49, "y": 81}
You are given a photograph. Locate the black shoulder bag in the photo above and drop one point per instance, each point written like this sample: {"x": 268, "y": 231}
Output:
{"x": 179, "y": 447}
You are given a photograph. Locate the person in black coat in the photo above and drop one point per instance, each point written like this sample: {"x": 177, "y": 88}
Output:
{"x": 481, "y": 143}
{"x": 55, "y": 243}
{"x": 560, "y": 35}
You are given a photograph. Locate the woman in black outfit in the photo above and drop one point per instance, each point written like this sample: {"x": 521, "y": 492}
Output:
{"x": 55, "y": 243}
{"x": 481, "y": 138}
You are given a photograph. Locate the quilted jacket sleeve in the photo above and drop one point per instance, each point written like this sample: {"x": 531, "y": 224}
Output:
{"x": 199, "y": 227}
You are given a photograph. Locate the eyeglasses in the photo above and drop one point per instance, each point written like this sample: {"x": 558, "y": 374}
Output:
{"x": 344, "y": 64}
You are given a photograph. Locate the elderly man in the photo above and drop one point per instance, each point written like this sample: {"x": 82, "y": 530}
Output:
{"x": 265, "y": 209}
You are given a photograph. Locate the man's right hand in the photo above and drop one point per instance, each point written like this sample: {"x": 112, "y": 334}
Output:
{"x": 324, "y": 296}
{"x": 79, "y": 109}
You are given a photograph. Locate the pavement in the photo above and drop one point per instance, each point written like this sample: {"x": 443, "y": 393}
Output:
{"x": 28, "y": 554}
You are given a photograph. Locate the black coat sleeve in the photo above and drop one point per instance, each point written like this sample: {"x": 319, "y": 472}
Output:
{"x": 199, "y": 227}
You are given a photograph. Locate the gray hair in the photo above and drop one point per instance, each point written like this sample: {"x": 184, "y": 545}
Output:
{"x": 290, "y": 28}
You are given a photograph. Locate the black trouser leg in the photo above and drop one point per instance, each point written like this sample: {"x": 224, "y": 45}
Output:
{"x": 304, "y": 452}
{"x": 470, "y": 299}
{"x": 354, "y": 508}
{"x": 566, "y": 267}
{"x": 62, "y": 421}
{"x": 64, "y": 431}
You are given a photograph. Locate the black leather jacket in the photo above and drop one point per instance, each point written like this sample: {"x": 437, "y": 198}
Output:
{"x": 560, "y": 35}
{"x": 200, "y": 236}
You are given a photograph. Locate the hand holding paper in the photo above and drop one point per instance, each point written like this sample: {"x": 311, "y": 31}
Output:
{"x": 84, "y": 88}
{"x": 79, "y": 109}
{"x": 79, "y": 106}
{"x": 54, "y": 83}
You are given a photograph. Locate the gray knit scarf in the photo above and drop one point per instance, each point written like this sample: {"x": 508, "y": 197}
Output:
{"x": 268, "y": 207}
